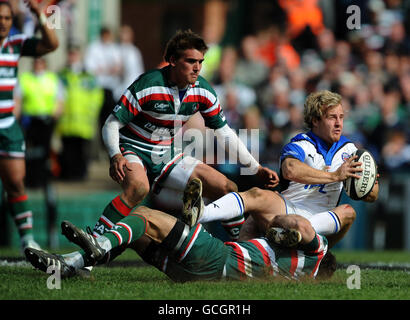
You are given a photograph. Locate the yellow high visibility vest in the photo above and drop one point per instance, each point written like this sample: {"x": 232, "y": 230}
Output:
{"x": 39, "y": 93}
{"x": 82, "y": 105}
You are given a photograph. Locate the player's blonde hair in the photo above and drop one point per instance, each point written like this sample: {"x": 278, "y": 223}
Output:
{"x": 317, "y": 103}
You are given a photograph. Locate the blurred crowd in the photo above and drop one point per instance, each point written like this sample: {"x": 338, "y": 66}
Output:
{"x": 261, "y": 83}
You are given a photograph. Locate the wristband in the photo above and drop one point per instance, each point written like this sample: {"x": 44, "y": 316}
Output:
{"x": 43, "y": 19}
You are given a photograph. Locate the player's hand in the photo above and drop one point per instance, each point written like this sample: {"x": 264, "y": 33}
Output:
{"x": 268, "y": 177}
{"x": 118, "y": 165}
{"x": 33, "y": 6}
{"x": 349, "y": 168}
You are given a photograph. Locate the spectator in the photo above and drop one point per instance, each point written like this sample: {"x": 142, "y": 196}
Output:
{"x": 250, "y": 69}
{"x": 132, "y": 62}
{"x": 103, "y": 60}
{"x": 230, "y": 91}
{"x": 40, "y": 95}
{"x": 396, "y": 152}
{"x": 78, "y": 123}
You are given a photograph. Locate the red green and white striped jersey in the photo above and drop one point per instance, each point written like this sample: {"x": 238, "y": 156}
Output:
{"x": 11, "y": 49}
{"x": 153, "y": 112}
{"x": 257, "y": 258}
{"x": 204, "y": 257}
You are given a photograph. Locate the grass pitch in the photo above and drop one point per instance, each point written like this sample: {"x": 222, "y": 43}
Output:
{"x": 128, "y": 278}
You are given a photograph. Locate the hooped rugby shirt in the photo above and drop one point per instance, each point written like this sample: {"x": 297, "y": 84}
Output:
{"x": 12, "y": 48}
{"x": 153, "y": 112}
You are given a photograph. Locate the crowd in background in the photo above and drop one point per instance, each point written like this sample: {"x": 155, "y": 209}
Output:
{"x": 263, "y": 82}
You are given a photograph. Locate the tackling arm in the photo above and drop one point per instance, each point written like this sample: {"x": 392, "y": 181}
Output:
{"x": 236, "y": 147}
{"x": 111, "y": 135}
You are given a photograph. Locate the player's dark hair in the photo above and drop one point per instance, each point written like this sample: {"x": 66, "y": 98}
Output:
{"x": 6, "y": 3}
{"x": 182, "y": 41}
{"x": 327, "y": 267}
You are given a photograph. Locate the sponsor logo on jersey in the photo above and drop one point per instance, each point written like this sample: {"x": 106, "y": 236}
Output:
{"x": 160, "y": 106}
{"x": 7, "y": 72}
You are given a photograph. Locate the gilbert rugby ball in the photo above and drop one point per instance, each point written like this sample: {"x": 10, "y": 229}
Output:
{"x": 358, "y": 189}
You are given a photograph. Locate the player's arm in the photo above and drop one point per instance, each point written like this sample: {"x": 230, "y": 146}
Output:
{"x": 49, "y": 40}
{"x": 111, "y": 138}
{"x": 374, "y": 194}
{"x": 295, "y": 170}
{"x": 237, "y": 147}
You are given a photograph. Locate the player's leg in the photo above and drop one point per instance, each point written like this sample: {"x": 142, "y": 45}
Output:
{"x": 262, "y": 204}
{"x": 214, "y": 185}
{"x": 135, "y": 187}
{"x": 156, "y": 225}
{"x": 12, "y": 173}
{"x": 346, "y": 215}
{"x": 290, "y": 230}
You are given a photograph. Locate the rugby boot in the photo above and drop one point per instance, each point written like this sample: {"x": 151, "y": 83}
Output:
{"x": 193, "y": 203}
{"x": 85, "y": 241}
{"x": 43, "y": 260}
{"x": 284, "y": 237}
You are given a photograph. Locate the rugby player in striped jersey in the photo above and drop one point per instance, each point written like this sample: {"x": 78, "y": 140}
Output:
{"x": 190, "y": 253}
{"x": 12, "y": 146}
{"x": 140, "y": 135}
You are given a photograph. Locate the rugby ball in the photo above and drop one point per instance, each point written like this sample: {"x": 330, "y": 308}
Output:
{"x": 358, "y": 189}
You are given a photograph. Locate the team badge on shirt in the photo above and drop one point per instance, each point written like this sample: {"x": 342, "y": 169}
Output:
{"x": 345, "y": 156}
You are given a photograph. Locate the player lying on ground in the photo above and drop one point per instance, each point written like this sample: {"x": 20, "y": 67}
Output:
{"x": 291, "y": 248}
{"x": 313, "y": 168}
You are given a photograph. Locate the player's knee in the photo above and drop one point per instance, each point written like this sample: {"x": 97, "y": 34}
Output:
{"x": 136, "y": 192}
{"x": 229, "y": 186}
{"x": 255, "y": 193}
{"x": 14, "y": 187}
{"x": 348, "y": 215}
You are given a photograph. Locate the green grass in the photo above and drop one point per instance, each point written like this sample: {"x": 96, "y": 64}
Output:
{"x": 147, "y": 283}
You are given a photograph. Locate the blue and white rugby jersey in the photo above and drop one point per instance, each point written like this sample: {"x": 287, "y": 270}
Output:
{"x": 313, "y": 151}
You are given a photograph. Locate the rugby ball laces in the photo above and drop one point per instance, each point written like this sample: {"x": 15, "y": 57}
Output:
{"x": 358, "y": 189}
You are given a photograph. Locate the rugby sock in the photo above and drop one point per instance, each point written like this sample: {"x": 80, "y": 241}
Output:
{"x": 22, "y": 215}
{"x": 233, "y": 226}
{"x": 229, "y": 210}
{"x": 228, "y": 207}
{"x": 74, "y": 259}
{"x": 116, "y": 210}
{"x": 123, "y": 232}
{"x": 325, "y": 223}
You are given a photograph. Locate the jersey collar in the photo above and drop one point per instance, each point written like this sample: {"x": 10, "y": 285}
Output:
{"x": 323, "y": 148}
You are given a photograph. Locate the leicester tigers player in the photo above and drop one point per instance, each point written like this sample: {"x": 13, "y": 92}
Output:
{"x": 12, "y": 146}
{"x": 189, "y": 254}
{"x": 139, "y": 134}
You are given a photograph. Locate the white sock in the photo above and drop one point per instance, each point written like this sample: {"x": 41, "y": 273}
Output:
{"x": 104, "y": 243}
{"x": 225, "y": 208}
{"x": 74, "y": 259}
{"x": 325, "y": 223}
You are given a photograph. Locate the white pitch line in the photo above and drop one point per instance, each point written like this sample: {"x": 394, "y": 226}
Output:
{"x": 21, "y": 263}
